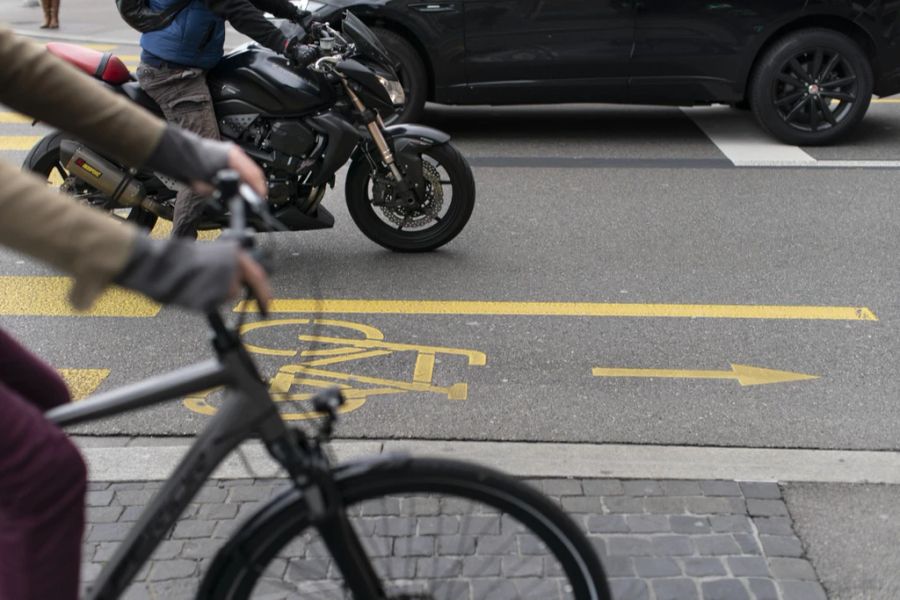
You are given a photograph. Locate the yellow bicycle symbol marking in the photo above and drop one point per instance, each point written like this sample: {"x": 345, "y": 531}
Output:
{"x": 316, "y": 367}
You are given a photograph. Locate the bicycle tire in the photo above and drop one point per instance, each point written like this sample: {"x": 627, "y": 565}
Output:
{"x": 237, "y": 570}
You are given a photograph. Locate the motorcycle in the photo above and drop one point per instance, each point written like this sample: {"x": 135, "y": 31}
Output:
{"x": 407, "y": 188}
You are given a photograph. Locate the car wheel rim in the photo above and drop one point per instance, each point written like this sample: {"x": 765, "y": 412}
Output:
{"x": 815, "y": 90}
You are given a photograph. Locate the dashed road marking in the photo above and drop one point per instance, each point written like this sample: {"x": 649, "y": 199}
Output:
{"x": 41, "y": 296}
{"x": 18, "y": 142}
{"x": 83, "y": 382}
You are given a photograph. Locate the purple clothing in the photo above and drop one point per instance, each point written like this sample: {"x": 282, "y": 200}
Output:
{"x": 42, "y": 483}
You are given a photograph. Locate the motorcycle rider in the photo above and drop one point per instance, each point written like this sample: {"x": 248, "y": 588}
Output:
{"x": 175, "y": 60}
{"x": 42, "y": 474}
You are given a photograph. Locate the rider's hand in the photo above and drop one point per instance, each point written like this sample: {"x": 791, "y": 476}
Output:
{"x": 251, "y": 274}
{"x": 249, "y": 171}
{"x": 301, "y": 54}
{"x": 299, "y": 17}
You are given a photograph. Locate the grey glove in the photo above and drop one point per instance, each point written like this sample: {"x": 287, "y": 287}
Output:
{"x": 187, "y": 274}
{"x": 188, "y": 157}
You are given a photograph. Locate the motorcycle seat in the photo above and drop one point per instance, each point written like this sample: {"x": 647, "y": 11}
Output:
{"x": 102, "y": 65}
{"x": 137, "y": 95}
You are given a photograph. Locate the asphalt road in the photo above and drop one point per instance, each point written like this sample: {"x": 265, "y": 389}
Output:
{"x": 629, "y": 206}
{"x": 632, "y": 211}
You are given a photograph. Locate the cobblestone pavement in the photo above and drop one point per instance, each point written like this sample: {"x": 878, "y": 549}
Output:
{"x": 658, "y": 540}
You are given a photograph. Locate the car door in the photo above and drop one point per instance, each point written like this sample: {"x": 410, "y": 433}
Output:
{"x": 548, "y": 50}
{"x": 700, "y": 50}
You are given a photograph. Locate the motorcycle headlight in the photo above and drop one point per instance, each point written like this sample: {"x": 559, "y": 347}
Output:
{"x": 394, "y": 90}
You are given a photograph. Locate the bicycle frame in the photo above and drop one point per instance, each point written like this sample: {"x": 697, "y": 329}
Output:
{"x": 247, "y": 412}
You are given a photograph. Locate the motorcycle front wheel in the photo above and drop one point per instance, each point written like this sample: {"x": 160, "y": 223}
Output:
{"x": 443, "y": 212}
{"x": 45, "y": 161}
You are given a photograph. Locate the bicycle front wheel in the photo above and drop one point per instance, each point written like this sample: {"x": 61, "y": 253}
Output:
{"x": 433, "y": 530}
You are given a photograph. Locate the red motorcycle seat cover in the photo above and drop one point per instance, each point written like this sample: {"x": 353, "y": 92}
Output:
{"x": 102, "y": 65}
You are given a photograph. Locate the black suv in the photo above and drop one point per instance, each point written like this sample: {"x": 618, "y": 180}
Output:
{"x": 807, "y": 68}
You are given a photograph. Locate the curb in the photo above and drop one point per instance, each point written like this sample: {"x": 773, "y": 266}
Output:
{"x": 149, "y": 459}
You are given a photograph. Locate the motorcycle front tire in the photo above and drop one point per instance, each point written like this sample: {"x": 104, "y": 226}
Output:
{"x": 454, "y": 172}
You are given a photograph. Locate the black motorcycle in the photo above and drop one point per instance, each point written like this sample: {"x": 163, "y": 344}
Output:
{"x": 407, "y": 187}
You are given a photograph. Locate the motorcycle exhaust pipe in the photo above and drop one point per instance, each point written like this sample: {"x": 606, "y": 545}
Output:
{"x": 99, "y": 173}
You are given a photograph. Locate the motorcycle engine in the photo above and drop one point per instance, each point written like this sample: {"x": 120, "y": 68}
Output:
{"x": 288, "y": 143}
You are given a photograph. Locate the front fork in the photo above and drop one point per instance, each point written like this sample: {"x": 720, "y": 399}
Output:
{"x": 308, "y": 466}
{"x": 375, "y": 126}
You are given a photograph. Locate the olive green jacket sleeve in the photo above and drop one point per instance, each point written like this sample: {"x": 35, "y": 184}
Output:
{"x": 39, "y": 222}
{"x": 76, "y": 239}
{"x": 40, "y": 85}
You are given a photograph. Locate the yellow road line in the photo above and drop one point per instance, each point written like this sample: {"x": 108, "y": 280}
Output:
{"x": 886, "y": 100}
{"x": 163, "y": 230}
{"x": 18, "y": 142}
{"x": 48, "y": 296}
{"x": 83, "y": 382}
{"x": 12, "y": 117}
{"x": 566, "y": 309}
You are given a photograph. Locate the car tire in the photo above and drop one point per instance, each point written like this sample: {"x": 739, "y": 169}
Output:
{"x": 812, "y": 87}
{"x": 411, "y": 71}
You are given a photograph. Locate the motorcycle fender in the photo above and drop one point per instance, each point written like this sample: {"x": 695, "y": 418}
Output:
{"x": 407, "y": 141}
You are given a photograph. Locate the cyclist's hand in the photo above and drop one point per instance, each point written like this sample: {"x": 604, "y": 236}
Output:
{"x": 251, "y": 274}
{"x": 249, "y": 172}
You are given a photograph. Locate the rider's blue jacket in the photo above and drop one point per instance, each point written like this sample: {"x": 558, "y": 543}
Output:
{"x": 196, "y": 37}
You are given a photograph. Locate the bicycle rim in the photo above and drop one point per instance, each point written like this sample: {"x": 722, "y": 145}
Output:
{"x": 434, "y": 530}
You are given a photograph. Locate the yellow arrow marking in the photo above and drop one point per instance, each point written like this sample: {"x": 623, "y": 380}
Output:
{"x": 18, "y": 142}
{"x": 745, "y": 375}
{"x": 83, "y": 382}
{"x": 565, "y": 309}
{"x": 49, "y": 296}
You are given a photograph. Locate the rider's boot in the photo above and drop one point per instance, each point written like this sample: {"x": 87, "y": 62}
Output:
{"x": 54, "y": 15}
{"x": 45, "y": 4}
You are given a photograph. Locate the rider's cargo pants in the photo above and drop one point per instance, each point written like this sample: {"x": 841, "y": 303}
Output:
{"x": 185, "y": 100}
{"x": 42, "y": 483}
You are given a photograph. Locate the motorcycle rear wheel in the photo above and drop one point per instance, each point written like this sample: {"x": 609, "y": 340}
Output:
{"x": 430, "y": 226}
{"x": 45, "y": 161}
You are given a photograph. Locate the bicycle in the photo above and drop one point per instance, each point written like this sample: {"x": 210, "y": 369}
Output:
{"x": 373, "y": 517}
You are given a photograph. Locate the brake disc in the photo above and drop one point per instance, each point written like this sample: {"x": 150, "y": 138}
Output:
{"x": 426, "y": 211}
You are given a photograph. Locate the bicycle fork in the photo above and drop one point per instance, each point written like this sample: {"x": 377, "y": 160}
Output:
{"x": 311, "y": 473}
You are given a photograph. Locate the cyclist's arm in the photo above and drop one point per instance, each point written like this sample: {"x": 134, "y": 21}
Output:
{"x": 98, "y": 251}
{"x": 36, "y": 83}
{"x": 73, "y": 238}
